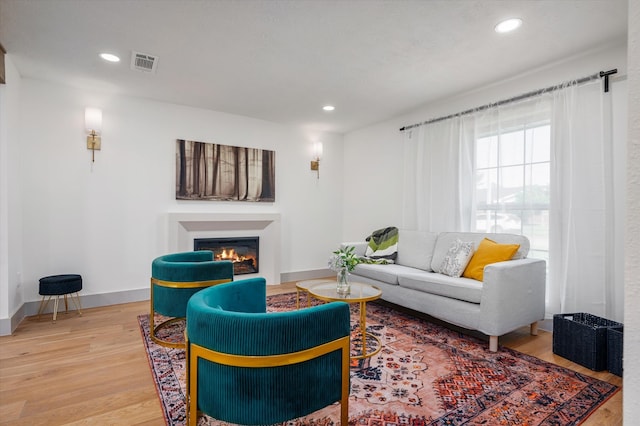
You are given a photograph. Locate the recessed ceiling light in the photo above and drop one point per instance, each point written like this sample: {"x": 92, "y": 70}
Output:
{"x": 328, "y": 107}
{"x": 508, "y": 25}
{"x": 109, "y": 57}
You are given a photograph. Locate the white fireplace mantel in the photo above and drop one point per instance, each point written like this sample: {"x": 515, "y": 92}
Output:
{"x": 183, "y": 227}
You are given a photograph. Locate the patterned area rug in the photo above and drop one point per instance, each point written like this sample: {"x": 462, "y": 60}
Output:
{"x": 425, "y": 374}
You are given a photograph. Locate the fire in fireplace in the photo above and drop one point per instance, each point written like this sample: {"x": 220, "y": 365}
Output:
{"x": 242, "y": 251}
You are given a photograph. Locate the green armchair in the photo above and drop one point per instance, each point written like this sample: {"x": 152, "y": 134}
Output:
{"x": 174, "y": 279}
{"x": 250, "y": 367}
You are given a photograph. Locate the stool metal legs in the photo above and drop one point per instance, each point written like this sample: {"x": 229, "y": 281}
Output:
{"x": 76, "y": 302}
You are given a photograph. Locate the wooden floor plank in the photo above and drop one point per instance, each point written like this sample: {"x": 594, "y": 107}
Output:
{"x": 92, "y": 369}
{"x": 11, "y": 411}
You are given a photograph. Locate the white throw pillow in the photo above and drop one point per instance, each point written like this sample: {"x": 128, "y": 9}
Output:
{"x": 457, "y": 258}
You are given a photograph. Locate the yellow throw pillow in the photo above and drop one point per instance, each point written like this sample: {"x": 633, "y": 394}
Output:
{"x": 488, "y": 252}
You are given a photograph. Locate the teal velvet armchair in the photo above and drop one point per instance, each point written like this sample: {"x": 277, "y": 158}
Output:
{"x": 250, "y": 367}
{"x": 174, "y": 279}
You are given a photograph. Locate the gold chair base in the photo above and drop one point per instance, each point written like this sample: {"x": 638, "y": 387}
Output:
{"x": 153, "y": 331}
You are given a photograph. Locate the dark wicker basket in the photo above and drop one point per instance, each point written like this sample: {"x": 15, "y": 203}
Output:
{"x": 614, "y": 350}
{"x": 582, "y": 338}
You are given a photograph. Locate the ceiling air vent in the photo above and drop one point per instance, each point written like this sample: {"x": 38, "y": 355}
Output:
{"x": 143, "y": 62}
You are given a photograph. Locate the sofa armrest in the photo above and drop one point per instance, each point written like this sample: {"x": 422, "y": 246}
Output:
{"x": 360, "y": 246}
{"x": 513, "y": 295}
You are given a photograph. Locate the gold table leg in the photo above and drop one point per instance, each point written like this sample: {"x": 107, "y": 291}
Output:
{"x": 364, "y": 334}
{"x": 363, "y": 326}
{"x": 327, "y": 295}
{"x": 299, "y": 291}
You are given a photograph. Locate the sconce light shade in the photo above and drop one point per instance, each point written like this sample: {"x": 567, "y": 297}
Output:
{"x": 317, "y": 150}
{"x": 93, "y": 125}
{"x": 93, "y": 120}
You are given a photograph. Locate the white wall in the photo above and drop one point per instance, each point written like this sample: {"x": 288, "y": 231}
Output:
{"x": 631, "y": 360}
{"x": 373, "y": 163}
{"x": 108, "y": 220}
{"x": 10, "y": 214}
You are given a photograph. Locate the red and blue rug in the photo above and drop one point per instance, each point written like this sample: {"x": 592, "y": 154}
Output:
{"x": 425, "y": 374}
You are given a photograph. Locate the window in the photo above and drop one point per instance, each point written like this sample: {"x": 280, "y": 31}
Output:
{"x": 512, "y": 182}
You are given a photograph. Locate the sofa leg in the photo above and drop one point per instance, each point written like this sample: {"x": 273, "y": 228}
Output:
{"x": 493, "y": 343}
{"x": 534, "y": 328}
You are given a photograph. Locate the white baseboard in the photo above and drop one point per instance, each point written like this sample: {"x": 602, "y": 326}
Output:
{"x": 306, "y": 275}
{"x": 8, "y": 325}
{"x": 546, "y": 324}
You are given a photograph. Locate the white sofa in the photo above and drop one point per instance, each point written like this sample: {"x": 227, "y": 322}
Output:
{"x": 511, "y": 295}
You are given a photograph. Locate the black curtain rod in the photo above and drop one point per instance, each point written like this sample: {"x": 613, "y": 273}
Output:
{"x": 601, "y": 74}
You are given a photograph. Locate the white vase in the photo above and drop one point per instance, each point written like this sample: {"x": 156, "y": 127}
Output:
{"x": 343, "y": 287}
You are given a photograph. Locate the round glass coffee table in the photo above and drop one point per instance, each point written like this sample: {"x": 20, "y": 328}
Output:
{"x": 360, "y": 293}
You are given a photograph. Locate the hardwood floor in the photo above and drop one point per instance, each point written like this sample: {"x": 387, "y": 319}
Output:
{"x": 92, "y": 370}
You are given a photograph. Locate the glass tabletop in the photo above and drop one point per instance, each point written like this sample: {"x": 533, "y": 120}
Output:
{"x": 360, "y": 292}
{"x": 306, "y": 284}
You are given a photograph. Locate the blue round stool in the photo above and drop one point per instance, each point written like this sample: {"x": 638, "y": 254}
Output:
{"x": 60, "y": 285}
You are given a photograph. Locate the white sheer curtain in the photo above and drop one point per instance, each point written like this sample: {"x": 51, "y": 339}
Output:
{"x": 581, "y": 219}
{"x": 439, "y": 186}
{"x": 438, "y": 176}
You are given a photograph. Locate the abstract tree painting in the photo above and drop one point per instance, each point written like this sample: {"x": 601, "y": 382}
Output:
{"x": 209, "y": 171}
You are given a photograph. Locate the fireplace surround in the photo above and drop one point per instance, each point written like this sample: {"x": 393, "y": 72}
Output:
{"x": 184, "y": 227}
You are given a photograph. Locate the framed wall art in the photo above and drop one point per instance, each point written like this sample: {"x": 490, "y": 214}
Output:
{"x": 209, "y": 171}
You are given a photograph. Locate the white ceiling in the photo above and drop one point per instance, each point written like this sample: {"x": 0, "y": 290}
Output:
{"x": 283, "y": 60}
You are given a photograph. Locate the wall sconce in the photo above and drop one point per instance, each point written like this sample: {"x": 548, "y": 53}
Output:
{"x": 93, "y": 124}
{"x": 317, "y": 153}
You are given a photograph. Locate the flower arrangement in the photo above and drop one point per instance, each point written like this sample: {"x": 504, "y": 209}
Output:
{"x": 344, "y": 258}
